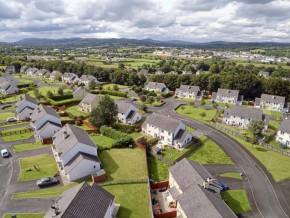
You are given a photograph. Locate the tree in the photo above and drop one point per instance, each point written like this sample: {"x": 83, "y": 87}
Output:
{"x": 144, "y": 108}
{"x": 105, "y": 114}
{"x": 115, "y": 87}
{"x": 49, "y": 94}
{"x": 60, "y": 91}
{"x": 150, "y": 99}
{"x": 256, "y": 127}
{"x": 92, "y": 85}
{"x": 37, "y": 94}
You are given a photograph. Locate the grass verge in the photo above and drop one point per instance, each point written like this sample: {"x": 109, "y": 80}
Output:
{"x": 29, "y": 146}
{"x": 200, "y": 114}
{"x": 158, "y": 171}
{"x": 22, "y": 136}
{"x": 24, "y": 215}
{"x": 231, "y": 175}
{"x": 237, "y": 200}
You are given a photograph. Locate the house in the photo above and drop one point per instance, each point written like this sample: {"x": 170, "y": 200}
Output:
{"x": 186, "y": 91}
{"x": 10, "y": 69}
{"x": 193, "y": 193}
{"x": 89, "y": 102}
{"x": 271, "y": 102}
{"x": 75, "y": 152}
{"x": 283, "y": 134}
{"x": 45, "y": 122}
{"x": 84, "y": 201}
{"x": 159, "y": 72}
{"x": 240, "y": 116}
{"x": 80, "y": 92}
{"x": 69, "y": 78}
{"x": 86, "y": 79}
{"x": 264, "y": 74}
{"x": 127, "y": 113}
{"x": 23, "y": 69}
{"x": 24, "y": 107}
{"x": 157, "y": 87}
{"x": 32, "y": 71}
{"x": 144, "y": 71}
{"x": 44, "y": 73}
{"x": 227, "y": 96}
{"x": 168, "y": 130}
{"x": 54, "y": 75}
{"x": 8, "y": 87}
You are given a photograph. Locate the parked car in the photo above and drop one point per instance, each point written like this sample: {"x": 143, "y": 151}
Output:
{"x": 46, "y": 181}
{"x": 4, "y": 153}
{"x": 224, "y": 186}
{"x": 11, "y": 119}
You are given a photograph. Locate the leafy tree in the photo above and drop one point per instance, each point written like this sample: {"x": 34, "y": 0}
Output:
{"x": 256, "y": 127}
{"x": 105, "y": 114}
{"x": 60, "y": 91}
{"x": 92, "y": 85}
{"x": 143, "y": 79}
{"x": 144, "y": 108}
{"x": 49, "y": 94}
{"x": 37, "y": 94}
{"x": 115, "y": 88}
{"x": 150, "y": 99}
{"x": 143, "y": 98}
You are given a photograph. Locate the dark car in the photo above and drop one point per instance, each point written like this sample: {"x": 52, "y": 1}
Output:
{"x": 224, "y": 186}
{"x": 46, "y": 181}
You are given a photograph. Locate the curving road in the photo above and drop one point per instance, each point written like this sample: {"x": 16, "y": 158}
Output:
{"x": 262, "y": 190}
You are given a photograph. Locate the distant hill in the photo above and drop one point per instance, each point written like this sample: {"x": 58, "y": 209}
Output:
{"x": 144, "y": 42}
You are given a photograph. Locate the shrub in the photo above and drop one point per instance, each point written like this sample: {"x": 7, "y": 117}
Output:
{"x": 167, "y": 95}
{"x": 123, "y": 139}
{"x": 123, "y": 142}
{"x": 153, "y": 141}
{"x": 143, "y": 98}
{"x": 61, "y": 97}
{"x": 78, "y": 122}
{"x": 124, "y": 128}
{"x": 152, "y": 94}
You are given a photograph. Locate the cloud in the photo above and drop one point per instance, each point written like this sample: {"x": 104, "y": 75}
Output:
{"x": 192, "y": 20}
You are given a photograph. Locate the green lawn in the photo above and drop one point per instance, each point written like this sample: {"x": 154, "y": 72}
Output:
{"x": 45, "y": 89}
{"x": 158, "y": 171}
{"x": 237, "y": 200}
{"x": 275, "y": 114}
{"x": 14, "y": 129}
{"x": 25, "y": 215}
{"x": 44, "y": 193}
{"x": 74, "y": 110}
{"x": 209, "y": 153}
{"x": 4, "y": 116}
{"x": 136, "y": 135}
{"x": 133, "y": 199}
{"x": 46, "y": 167}
{"x": 114, "y": 97}
{"x": 172, "y": 153}
{"x": 10, "y": 99}
{"x": 231, "y": 175}
{"x": 29, "y": 146}
{"x": 190, "y": 129}
{"x": 200, "y": 114}
{"x": 16, "y": 137}
{"x": 102, "y": 142}
{"x": 273, "y": 161}
{"x": 83, "y": 127}
{"x": 124, "y": 164}
{"x": 110, "y": 86}
{"x": 27, "y": 81}
{"x": 274, "y": 124}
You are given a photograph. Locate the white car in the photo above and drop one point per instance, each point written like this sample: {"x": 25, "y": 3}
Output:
{"x": 11, "y": 119}
{"x": 4, "y": 153}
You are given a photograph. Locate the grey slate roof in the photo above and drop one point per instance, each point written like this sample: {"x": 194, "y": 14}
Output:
{"x": 42, "y": 110}
{"x": 87, "y": 77}
{"x": 166, "y": 123}
{"x": 89, "y": 98}
{"x": 123, "y": 107}
{"x": 285, "y": 126}
{"x": 180, "y": 136}
{"x": 194, "y": 200}
{"x": 83, "y": 201}
{"x": 70, "y": 75}
{"x": 190, "y": 89}
{"x": 155, "y": 85}
{"x": 6, "y": 84}
{"x": 246, "y": 113}
{"x": 28, "y": 98}
{"x": 77, "y": 159}
{"x": 74, "y": 135}
{"x": 273, "y": 99}
{"x": 228, "y": 93}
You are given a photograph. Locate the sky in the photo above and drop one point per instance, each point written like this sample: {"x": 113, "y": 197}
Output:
{"x": 188, "y": 20}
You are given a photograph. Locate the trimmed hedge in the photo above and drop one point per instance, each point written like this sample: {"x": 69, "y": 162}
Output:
{"x": 123, "y": 140}
{"x": 124, "y": 128}
{"x": 108, "y": 92}
{"x": 61, "y": 97}
{"x": 25, "y": 85}
{"x": 59, "y": 103}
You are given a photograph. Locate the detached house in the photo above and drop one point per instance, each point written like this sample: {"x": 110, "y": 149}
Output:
{"x": 83, "y": 200}
{"x": 24, "y": 107}
{"x": 127, "y": 113}
{"x": 168, "y": 130}
{"x": 186, "y": 91}
{"x": 89, "y": 103}
{"x": 86, "y": 79}
{"x": 23, "y": 69}
{"x": 8, "y": 87}
{"x": 283, "y": 134}
{"x": 241, "y": 117}
{"x": 80, "y": 93}
{"x": 32, "y": 71}
{"x": 193, "y": 194}
{"x": 157, "y": 87}
{"x": 10, "y": 69}
{"x": 75, "y": 152}
{"x": 227, "y": 96}
{"x": 44, "y": 73}
{"x": 271, "y": 102}
{"x": 69, "y": 78}
{"x": 54, "y": 75}
{"x": 45, "y": 121}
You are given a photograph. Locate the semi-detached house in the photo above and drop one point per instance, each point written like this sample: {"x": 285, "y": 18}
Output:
{"x": 127, "y": 113}
{"x": 24, "y": 107}
{"x": 227, "y": 96}
{"x": 271, "y": 102}
{"x": 192, "y": 92}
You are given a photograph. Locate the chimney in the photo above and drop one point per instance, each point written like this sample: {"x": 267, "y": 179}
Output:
{"x": 65, "y": 135}
{"x": 38, "y": 110}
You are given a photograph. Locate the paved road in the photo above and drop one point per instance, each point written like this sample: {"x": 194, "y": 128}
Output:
{"x": 261, "y": 188}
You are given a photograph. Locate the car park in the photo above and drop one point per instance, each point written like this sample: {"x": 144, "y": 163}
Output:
{"x": 46, "y": 181}
{"x": 4, "y": 153}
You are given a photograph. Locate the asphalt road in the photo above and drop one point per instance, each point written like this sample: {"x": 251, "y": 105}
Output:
{"x": 261, "y": 188}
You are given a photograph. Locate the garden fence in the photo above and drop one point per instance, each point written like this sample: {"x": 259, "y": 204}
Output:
{"x": 159, "y": 157}
{"x": 16, "y": 132}
{"x": 120, "y": 182}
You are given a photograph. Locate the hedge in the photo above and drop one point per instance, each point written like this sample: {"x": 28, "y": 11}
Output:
{"x": 63, "y": 102}
{"x": 124, "y": 128}
{"x": 61, "y": 97}
{"x": 25, "y": 85}
{"x": 114, "y": 93}
{"x": 123, "y": 140}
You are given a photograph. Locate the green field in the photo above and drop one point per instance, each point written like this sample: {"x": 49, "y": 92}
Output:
{"x": 158, "y": 171}
{"x": 209, "y": 153}
{"x": 237, "y": 200}
{"x": 111, "y": 86}
{"x": 101, "y": 141}
{"x": 74, "y": 110}
{"x": 16, "y": 137}
{"x": 44, "y": 163}
{"x": 133, "y": 199}
{"x": 124, "y": 164}
{"x": 29, "y": 146}
{"x": 4, "y": 116}
{"x": 25, "y": 215}
{"x": 200, "y": 114}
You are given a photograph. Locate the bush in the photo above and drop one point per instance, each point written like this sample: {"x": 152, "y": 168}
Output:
{"x": 153, "y": 141}
{"x": 167, "y": 95}
{"x": 124, "y": 128}
{"x": 152, "y": 94}
{"x": 123, "y": 142}
{"x": 61, "y": 97}
{"x": 123, "y": 139}
{"x": 26, "y": 85}
{"x": 78, "y": 122}
{"x": 143, "y": 98}
{"x": 60, "y": 103}
{"x": 114, "y": 93}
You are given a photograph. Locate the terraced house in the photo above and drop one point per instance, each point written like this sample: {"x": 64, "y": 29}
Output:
{"x": 192, "y": 92}
{"x": 283, "y": 134}
{"x": 227, "y": 96}
{"x": 271, "y": 102}
{"x": 169, "y": 131}
{"x": 24, "y": 107}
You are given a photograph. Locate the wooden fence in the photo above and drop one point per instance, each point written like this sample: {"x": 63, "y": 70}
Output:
{"x": 171, "y": 214}
{"x": 119, "y": 182}
{"x": 158, "y": 185}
